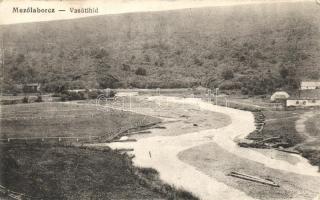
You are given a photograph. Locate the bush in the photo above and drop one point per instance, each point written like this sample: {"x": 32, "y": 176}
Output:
{"x": 197, "y": 61}
{"x": 39, "y": 98}
{"x": 25, "y": 100}
{"x": 230, "y": 85}
{"x": 125, "y": 67}
{"x": 107, "y": 81}
{"x": 284, "y": 72}
{"x": 75, "y": 96}
{"x": 56, "y": 95}
{"x": 112, "y": 93}
{"x": 70, "y": 96}
{"x": 95, "y": 93}
{"x": 244, "y": 90}
{"x": 227, "y": 74}
{"x": 55, "y": 86}
{"x": 141, "y": 71}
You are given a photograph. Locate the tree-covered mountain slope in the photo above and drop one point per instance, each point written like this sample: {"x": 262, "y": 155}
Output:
{"x": 252, "y": 48}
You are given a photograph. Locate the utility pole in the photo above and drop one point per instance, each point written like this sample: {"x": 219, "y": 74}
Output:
{"x": 2, "y": 64}
{"x": 209, "y": 95}
{"x": 130, "y": 102}
{"x": 217, "y": 89}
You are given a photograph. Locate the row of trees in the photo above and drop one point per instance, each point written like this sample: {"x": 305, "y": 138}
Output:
{"x": 258, "y": 83}
{"x": 82, "y": 95}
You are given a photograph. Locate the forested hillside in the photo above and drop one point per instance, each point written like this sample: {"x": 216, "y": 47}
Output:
{"x": 255, "y": 48}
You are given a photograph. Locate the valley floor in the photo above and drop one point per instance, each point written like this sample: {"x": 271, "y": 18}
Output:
{"x": 194, "y": 159}
{"x": 193, "y": 148}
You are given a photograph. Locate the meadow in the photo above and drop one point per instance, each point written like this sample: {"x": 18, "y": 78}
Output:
{"x": 67, "y": 120}
{"x": 56, "y": 172}
{"x": 311, "y": 150}
{"x": 60, "y": 170}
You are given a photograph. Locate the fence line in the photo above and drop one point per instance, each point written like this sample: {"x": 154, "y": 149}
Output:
{"x": 46, "y": 117}
{"x": 47, "y": 138}
{"x": 100, "y": 108}
{"x": 52, "y": 117}
{"x": 66, "y": 110}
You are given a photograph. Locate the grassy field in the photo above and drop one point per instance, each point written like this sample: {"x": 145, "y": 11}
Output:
{"x": 70, "y": 173}
{"x": 58, "y": 119}
{"x": 282, "y": 124}
{"x": 311, "y": 150}
{"x": 58, "y": 172}
{"x": 217, "y": 162}
{"x": 313, "y": 126}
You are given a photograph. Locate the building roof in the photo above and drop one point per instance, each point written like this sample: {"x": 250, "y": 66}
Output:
{"x": 29, "y": 84}
{"x": 280, "y": 95}
{"x": 310, "y": 83}
{"x": 307, "y": 94}
{"x": 201, "y": 88}
{"x": 32, "y": 84}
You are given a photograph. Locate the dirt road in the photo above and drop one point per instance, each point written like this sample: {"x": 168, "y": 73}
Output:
{"x": 166, "y": 154}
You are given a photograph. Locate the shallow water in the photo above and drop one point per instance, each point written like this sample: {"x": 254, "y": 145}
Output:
{"x": 161, "y": 153}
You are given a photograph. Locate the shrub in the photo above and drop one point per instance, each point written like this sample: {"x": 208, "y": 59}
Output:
{"x": 244, "y": 90}
{"x": 141, "y": 71}
{"x": 107, "y": 81}
{"x": 56, "y": 95}
{"x": 112, "y": 93}
{"x": 95, "y": 93}
{"x": 230, "y": 85}
{"x": 75, "y": 96}
{"x": 284, "y": 72}
{"x": 125, "y": 67}
{"x": 197, "y": 61}
{"x": 70, "y": 96}
{"x": 39, "y": 98}
{"x": 227, "y": 74}
{"x": 64, "y": 97}
{"x": 254, "y": 65}
{"x": 210, "y": 56}
{"x": 147, "y": 58}
{"x": 25, "y": 100}
{"x": 148, "y": 171}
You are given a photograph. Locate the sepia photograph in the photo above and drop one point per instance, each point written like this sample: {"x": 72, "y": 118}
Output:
{"x": 160, "y": 100}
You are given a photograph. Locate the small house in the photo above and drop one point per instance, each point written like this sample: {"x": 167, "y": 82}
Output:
{"x": 305, "y": 98}
{"x": 310, "y": 85}
{"x": 29, "y": 87}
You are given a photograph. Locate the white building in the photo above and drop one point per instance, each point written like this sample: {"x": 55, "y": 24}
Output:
{"x": 279, "y": 96}
{"x": 310, "y": 85}
{"x": 305, "y": 98}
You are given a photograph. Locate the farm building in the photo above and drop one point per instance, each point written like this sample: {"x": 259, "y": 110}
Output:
{"x": 29, "y": 87}
{"x": 279, "y": 96}
{"x": 305, "y": 98}
{"x": 310, "y": 85}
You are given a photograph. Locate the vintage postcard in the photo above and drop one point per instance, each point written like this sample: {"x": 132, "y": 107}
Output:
{"x": 160, "y": 99}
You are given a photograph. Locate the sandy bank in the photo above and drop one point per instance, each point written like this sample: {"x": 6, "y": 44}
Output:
{"x": 161, "y": 153}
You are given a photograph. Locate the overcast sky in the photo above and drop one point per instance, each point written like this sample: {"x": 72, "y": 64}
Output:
{"x": 107, "y": 7}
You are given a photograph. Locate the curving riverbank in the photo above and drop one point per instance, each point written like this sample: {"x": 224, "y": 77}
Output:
{"x": 162, "y": 153}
